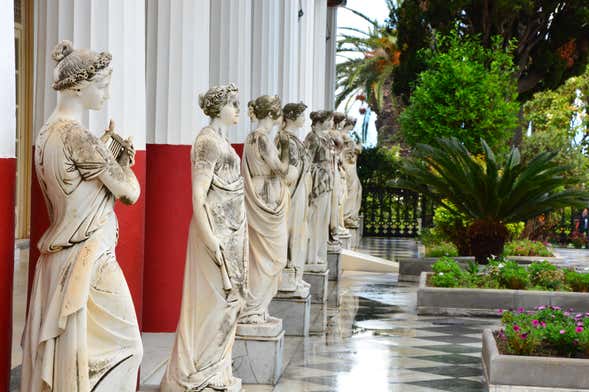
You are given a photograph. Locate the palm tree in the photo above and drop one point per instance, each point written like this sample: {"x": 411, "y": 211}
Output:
{"x": 366, "y": 73}
{"x": 491, "y": 195}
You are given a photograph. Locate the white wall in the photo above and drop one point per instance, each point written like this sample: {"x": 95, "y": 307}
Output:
{"x": 7, "y": 81}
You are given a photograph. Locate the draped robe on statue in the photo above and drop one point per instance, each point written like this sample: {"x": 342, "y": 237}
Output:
{"x": 81, "y": 332}
{"x": 266, "y": 200}
{"x": 298, "y": 213}
{"x": 354, "y": 196}
{"x": 209, "y": 313}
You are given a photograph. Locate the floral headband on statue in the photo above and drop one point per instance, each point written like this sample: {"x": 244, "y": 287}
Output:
{"x": 75, "y": 66}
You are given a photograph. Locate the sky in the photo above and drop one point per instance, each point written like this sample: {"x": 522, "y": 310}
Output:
{"x": 374, "y": 9}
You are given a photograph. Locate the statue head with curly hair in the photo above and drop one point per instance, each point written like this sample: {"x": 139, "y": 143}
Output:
{"x": 339, "y": 119}
{"x": 265, "y": 106}
{"x": 322, "y": 119}
{"x": 294, "y": 114}
{"x": 221, "y": 102}
{"x": 82, "y": 72}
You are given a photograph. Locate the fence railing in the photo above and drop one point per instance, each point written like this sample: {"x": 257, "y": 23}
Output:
{"x": 394, "y": 212}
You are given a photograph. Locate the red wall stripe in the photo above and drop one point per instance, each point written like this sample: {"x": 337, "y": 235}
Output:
{"x": 168, "y": 213}
{"x": 130, "y": 248}
{"x": 7, "y": 192}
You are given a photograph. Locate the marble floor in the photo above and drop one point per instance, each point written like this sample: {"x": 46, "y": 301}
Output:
{"x": 373, "y": 341}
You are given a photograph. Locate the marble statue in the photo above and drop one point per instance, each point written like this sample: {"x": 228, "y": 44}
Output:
{"x": 215, "y": 276}
{"x": 340, "y": 179}
{"x": 298, "y": 182}
{"x": 266, "y": 200}
{"x": 321, "y": 150}
{"x": 81, "y": 332}
{"x": 350, "y": 154}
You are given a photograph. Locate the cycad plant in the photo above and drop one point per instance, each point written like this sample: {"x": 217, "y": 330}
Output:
{"x": 489, "y": 193}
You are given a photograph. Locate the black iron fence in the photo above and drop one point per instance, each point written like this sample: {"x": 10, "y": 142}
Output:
{"x": 394, "y": 212}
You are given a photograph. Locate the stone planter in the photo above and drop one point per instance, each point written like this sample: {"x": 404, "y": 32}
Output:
{"x": 486, "y": 302}
{"x": 510, "y": 373}
{"x": 411, "y": 267}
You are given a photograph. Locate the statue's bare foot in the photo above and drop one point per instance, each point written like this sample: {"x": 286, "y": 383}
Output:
{"x": 217, "y": 383}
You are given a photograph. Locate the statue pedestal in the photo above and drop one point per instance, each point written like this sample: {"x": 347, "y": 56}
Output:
{"x": 257, "y": 352}
{"x": 355, "y": 238}
{"x": 319, "y": 282}
{"x": 319, "y": 319}
{"x": 294, "y": 311}
{"x": 334, "y": 263}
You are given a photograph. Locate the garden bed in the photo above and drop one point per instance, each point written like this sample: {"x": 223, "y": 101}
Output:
{"x": 487, "y": 302}
{"x": 530, "y": 373}
{"x": 411, "y": 268}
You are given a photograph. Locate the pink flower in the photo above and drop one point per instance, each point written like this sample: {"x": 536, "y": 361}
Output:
{"x": 579, "y": 329}
{"x": 567, "y": 313}
{"x": 556, "y": 307}
{"x": 535, "y": 323}
{"x": 500, "y": 311}
{"x": 543, "y": 324}
{"x": 521, "y": 310}
{"x": 541, "y": 307}
{"x": 578, "y": 315}
{"x": 562, "y": 331}
{"x": 523, "y": 335}
{"x": 516, "y": 327}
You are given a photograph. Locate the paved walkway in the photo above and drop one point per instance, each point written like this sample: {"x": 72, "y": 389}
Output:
{"x": 373, "y": 341}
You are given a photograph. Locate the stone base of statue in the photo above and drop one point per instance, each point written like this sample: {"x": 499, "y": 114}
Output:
{"x": 319, "y": 283}
{"x": 318, "y": 319}
{"x": 334, "y": 264}
{"x": 333, "y": 246}
{"x": 290, "y": 286}
{"x": 235, "y": 386}
{"x": 294, "y": 311}
{"x": 257, "y": 352}
{"x": 355, "y": 237}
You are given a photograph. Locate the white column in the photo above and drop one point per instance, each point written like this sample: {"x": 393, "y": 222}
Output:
{"x": 319, "y": 47}
{"x": 109, "y": 25}
{"x": 289, "y": 52}
{"x": 7, "y": 81}
{"x": 177, "y": 69}
{"x": 330, "y": 53}
{"x": 306, "y": 50}
{"x": 231, "y": 54}
{"x": 266, "y": 20}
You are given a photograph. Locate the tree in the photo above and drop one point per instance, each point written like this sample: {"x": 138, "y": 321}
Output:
{"x": 552, "y": 36}
{"x": 489, "y": 194}
{"x": 467, "y": 91}
{"x": 558, "y": 122}
{"x": 370, "y": 60}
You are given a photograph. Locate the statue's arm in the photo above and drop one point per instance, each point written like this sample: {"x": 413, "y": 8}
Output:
{"x": 269, "y": 154}
{"x": 94, "y": 161}
{"x": 206, "y": 153}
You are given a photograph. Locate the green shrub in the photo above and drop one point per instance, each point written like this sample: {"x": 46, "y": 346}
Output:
{"x": 513, "y": 276}
{"x": 431, "y": 236}
{"x": 452, "y": 227}
{"x": 447, "y": 273}
{"x": 577, "y": 281}
{"x": 526, "y": 248}
{"x": 441, "y": 249}
{"x": 515, "y": 230}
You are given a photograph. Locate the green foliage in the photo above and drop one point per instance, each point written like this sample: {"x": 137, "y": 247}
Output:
{"x": 379, "y": 165}
{"x": 441, "y": 249}
{"x": 551, "y": 38}
{"x": 577, "y": 281}
{"x": 545, "y": 331}
{"x": 453, "y": 227}
{"x": 526, "y": 248}
{"x": 489, "y": 193}
{"x": 515, "y": 229}
{"x": 558, "y": 124}
{"x": 447, "y": 273}
{"x": 370, "y": 59}
{"x": 508, "y": 274}
{"x": 467, "y": 91}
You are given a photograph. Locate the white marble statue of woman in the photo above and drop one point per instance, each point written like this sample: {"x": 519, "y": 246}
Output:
{"x": 215, "y": 275}
{"x": 81, "y": 332}
{"x": 297, "y": 180}
{"x": 340, "y": 180}
{"x": 350, "y": 158}
{"x": 320, "y": 148}
{"x": 266, "y": 199}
